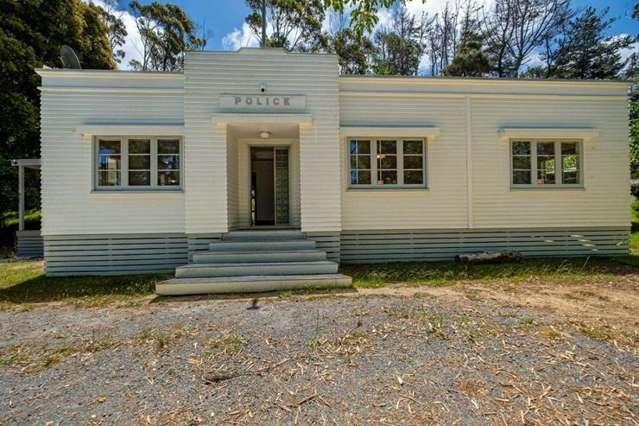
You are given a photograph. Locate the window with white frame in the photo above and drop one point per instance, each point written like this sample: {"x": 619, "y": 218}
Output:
{"x": 546, "y": 163}
{"x": 387, "y": 162}
{"x": 138, "y": 162}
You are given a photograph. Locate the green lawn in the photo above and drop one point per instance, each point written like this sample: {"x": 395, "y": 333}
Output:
{"x": 23, "y": 283}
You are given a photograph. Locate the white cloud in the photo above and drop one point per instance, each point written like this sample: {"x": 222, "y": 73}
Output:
{"x": 240, "y": 37}
{"x": 133, "y": 42}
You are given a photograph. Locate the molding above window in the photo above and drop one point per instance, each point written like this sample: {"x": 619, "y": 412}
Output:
{"x": 430, "y": 133}
{"x": 582, "y": 133}
{"x": 167, "y": 130}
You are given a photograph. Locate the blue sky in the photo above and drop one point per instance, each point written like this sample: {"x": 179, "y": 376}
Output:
{"x": 224, "y": 19}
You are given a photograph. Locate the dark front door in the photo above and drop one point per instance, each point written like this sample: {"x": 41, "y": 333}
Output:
{"x": 269, "y": 186}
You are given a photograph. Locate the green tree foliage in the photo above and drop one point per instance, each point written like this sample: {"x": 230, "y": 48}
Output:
{"x": 584, "y": 52}
{"x": 363, "y": 12}
{"x": 400, "y": 46}
{"x": 294, "y": 25}
{"x": 470, "y": 59}
{"x": 167, "y": 32}
{"x": 352, "y": 51}
{"x": 117, "y": 32}
{"x": 31, "y": 33}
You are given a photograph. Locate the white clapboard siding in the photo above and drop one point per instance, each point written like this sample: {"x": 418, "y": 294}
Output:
{"x": 603, "y": 202}
{"x": 443, "y": 204}
{"x": 71, "y": 99}
{"x": 474, "y": 192}
{"x": 209, "y": 74}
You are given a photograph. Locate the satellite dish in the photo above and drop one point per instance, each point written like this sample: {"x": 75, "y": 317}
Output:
{"x": 69, "y": 58}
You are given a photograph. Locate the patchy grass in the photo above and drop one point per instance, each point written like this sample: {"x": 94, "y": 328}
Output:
{"x": 23, "y": 284}
{"x": 448, "y": 273}
{"x": 32, "y": 359}
{"x": 227, "y": 344}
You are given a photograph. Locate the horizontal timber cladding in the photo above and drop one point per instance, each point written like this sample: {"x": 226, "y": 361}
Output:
{"x": 29, "y": 244}
{"x": 200, "y": 242}
{"x": 328, "y": 242}
{"x": 435, "y": 245}
{"x": 114, "y": 254}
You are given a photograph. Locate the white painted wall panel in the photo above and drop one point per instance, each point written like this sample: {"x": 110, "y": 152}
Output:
{"x": 210, "y": 74}
{"x": 493, "y": 104}
{"x": 68, "y": 203}
{"x": 603, "y": 202}
{"x": 443, "y": 204}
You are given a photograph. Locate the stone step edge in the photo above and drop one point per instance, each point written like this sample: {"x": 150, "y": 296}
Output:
{"x": 250, "y": 284}
{"x": 255, "y": 264}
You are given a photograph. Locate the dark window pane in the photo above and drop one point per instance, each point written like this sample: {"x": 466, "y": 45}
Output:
{"x": 545, "y": 177}
{"x": 521, "y": 148}
{"x": 364, "y": 162}
{"x": 139, "y": 146}
{"x": 353, "y": 162}
{"x": 171, "y": 162}
{"x": 109, "y": 147}
{"x": 413, "y": 162}
{"x": 546, "y": 148}
{"x": 109, "y": 178}
{"x": 545, "y": 169}
{"x": 521, "y": 178}
{"x": 568, "y": 148}
{"x": 139, "y": 178}
{"x": 168, "y": 147}
{"x": 363, "y": 147}
{"x": 413, "y": 147}
{"x": 387, "y": 147}
{"x": 139, "y": 162}
{"x": 413, "y": 177}
{"x": 387, "y": 177}
{"x": 168, "y": 178}
{"x": 364, "y": 177}
{"x": 387, "y": 162}
{"x": 570, "y": 178}
{"x": 109, "y": 162}
{"x": 521, "y": 163}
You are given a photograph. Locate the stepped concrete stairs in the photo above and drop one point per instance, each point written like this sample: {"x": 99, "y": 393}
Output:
{"x": 255, "y": 261}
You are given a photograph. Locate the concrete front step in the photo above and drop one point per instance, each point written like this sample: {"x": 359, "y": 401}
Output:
{"x": 291, "y": 245}
{"x": 248, "y": 284}
{"x": 239, "y": 269}
{"x": 264, "y": 235}
{"x": 259, "y": 256}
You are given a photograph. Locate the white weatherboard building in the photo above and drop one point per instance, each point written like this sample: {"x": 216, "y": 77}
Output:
{"x": 262, "y": 169}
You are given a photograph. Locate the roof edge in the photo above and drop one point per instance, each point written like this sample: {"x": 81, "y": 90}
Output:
{"x": 397, "y": 79}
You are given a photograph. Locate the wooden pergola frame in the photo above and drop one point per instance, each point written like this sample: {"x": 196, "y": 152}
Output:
{"x": 21, "y": 164}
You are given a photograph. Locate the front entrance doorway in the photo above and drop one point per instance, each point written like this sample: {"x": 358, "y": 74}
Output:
{"x": 269, "y": 185}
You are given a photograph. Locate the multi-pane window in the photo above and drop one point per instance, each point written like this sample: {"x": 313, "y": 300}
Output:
{"x": 137, "y": 163}
{"x": 387, "y": 162}
{"x": 545, "y": 163}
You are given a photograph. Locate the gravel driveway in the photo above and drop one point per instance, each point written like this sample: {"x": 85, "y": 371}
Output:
{"x": 431, "y": 356}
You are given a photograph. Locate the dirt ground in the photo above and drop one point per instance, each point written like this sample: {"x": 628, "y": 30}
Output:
{"x": 467, "y": 354}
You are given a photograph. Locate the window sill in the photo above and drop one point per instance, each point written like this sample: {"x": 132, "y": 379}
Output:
{"x": 547, "y": 188}
{"x": 134, "y": 192}
{"x": 382, "y": 189}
